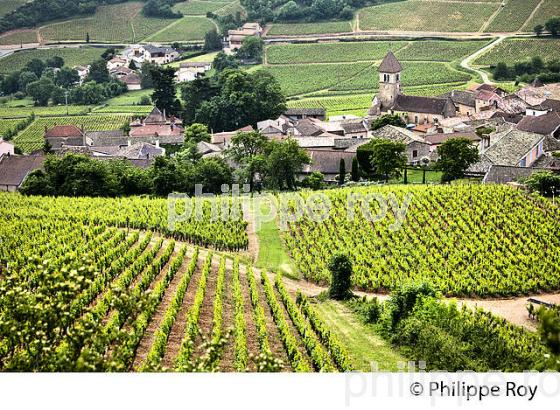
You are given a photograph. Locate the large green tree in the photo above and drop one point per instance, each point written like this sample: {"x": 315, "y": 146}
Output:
{"x": 248, "y": 150}
{"x": 164, "y": 95}
{"x": 284, "y": 160}
{"x": 41, "y": 91}
{"x": 455, "y": 156}
{"x": 388, "y": 158}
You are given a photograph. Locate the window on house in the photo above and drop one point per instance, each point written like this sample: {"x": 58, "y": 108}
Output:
{"x": 416, "y": 119}
{"x": 523, "y": 162}
{"x": 414, "y": 153}
{"x": 398, "y": 77}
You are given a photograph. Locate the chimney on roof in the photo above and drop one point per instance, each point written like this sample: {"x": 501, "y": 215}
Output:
{"x": 157, "y": 143}
{"x": 129, "y": 143}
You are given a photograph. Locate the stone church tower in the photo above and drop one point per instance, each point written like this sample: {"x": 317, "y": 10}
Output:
{"x": 389, "y": 80}
{"x": 389, "y": 86}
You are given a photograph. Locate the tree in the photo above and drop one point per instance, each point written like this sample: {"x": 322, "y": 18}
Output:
{"x": 212, "y": 173}
{"x": 55, "y": 62}
{"x": 166, "y": 176}
{"x": 340, "y": 268}
{"x": 41, "y": 91}
{"x": 88, "y": 94}
{"x": 387, "y": 119}
{"x": 538, "y": 64}
{"x": 164, "y": 95}
{"x": 248, "y": 150}
{"x": 284, "y": 160}
{"x": 67, "y": 77}
{"x": 544, "y": 182}
{"x": 501, "y": 72}
{"x": 196, "y": 133}
{"x": 538, "y": 29}
{"x": 388, "y": 158}
{"x": 26, "y": 77}
{"x": 341, "y": 172}
{"x": 146, "y": 74}
{"x": 314, "y": 181}
{"x": 251, "y": 49}
{"x": 223, "y": 61}
{"x": 212, "y": 40}
{"x": 553, "y": 26}
{"x": 455, "y": 156}
{"x": 98, "y": 72}
{"x": 355, "y": 169}
{"x": 36, "y": 66}
{"x": 235, "y": 99}
{"x": 58, "y": 96}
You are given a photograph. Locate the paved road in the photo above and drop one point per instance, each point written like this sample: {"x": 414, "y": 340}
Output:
{"x": 466, "y": 63}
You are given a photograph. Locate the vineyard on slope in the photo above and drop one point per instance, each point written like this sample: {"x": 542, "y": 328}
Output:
{"x": 467, "y": 240}
{"x": 91, "y": 297}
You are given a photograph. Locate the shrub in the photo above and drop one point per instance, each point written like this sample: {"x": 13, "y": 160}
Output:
{"x": 340, "y": 267}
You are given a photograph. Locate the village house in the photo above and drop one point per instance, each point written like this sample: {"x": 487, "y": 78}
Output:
{"x": 546, "y": 124}
{"x": 64, "y": 135}
{"x": 138, "y": 150}
{"x": 156, "y": 129}
{"x": 191, "y": 70}
{"x": 159, "y": 55}
{"x": 296, "y": 114}
{"x": 133, "y": 81}
{"x": 83, "y": 72}
{"x": 417, "y": 149}
{"x": 116, "y": 62}
{"x": 413, "y": 109}
{"x": 14, "y": 169}
{"x": 327, "y": 162}
{"x": 236, "y": 37}
{"x": 512, "y": 147}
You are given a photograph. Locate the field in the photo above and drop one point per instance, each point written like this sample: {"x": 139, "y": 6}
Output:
{"x": 114, "y": 24}
{"x": 279, "y": 29}
{"x": 32, "y": 138}
{"x": 513, "y": 16}
{"x": 185, "y": 29}
{"x": 179, "y": 298}
{"x": 547, "y": 9}
{"x": 314, "y": 68}
{"x": 9, "y": 5}
{"x": 513, "y": 50}
{"x": 331, "y": 52}
{"x": 301, "y": 79}
{"x": 444, "y": 51}
{"x": 7, "y": 125}
{"x": 196, "y": 7}
{"x": 26, "y": 111}
{"x": 466, "y": 240}
{"x": 429, "y": 16}
{"x": 19, "y": 37}
{"x": 72, "y": 57}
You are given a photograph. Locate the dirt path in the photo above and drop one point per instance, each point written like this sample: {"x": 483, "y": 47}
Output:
{"x": 253, "y": 247}
{"x": 149, "y": 335}
{"x": 178, "y": 330}
{"x": 511, "y": 309}
{"x": 524, "y": 26}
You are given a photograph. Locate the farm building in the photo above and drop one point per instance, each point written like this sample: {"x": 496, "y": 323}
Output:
{"x": 157, "y": 128}
{"x": 236, "y": 37}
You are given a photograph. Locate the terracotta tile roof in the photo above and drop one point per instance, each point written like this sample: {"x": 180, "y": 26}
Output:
{"x": 390, "y": 64}
{"x": 63, "y": 131}
{"x": 153, "y": 129}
